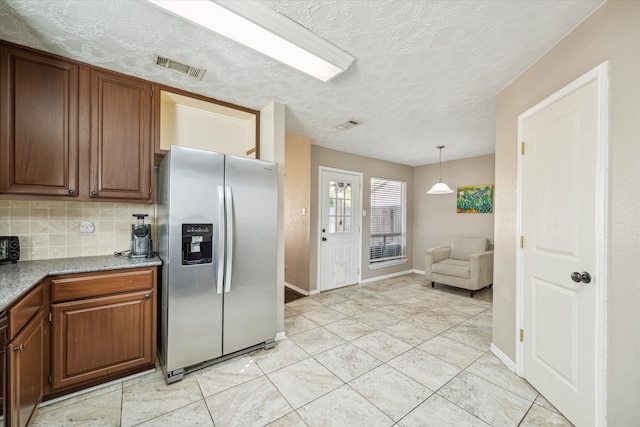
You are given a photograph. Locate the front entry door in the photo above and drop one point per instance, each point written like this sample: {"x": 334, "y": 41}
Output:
{"x": 560, "y": 215}
{"x": 340, "y": 218}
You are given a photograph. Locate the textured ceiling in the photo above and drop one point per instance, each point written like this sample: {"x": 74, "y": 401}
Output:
{"x": 426, "y": 72}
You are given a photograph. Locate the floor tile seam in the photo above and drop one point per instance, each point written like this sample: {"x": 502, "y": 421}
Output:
{"x": 281, "y": 395}
{"x": 395, "y": 422}
{"x": 446, "y": 361}
{"x": 467, "y": 315}
{"x": 488, "y": 422}
{"x": 205, "y": 397}
{"x": 314, "y": 399}
{"x": 204, "y": 400}
{"x": 452, "y": 339}
{"x": 359, "y": 375}
{"x": 526, "y": 399}
{"x": 394, "y": 357}
{"x": 454, "y": 403}
{"x": 266, "y": 374}
{"x": 526, "y": 413}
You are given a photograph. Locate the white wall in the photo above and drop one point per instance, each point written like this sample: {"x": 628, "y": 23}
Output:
{"x": 272, "y": 140}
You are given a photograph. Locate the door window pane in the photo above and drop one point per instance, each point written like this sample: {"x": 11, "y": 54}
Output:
{"x": 339, "y": 207}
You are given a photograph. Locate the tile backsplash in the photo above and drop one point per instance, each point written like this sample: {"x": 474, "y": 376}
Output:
{"x": 51, "y": 229}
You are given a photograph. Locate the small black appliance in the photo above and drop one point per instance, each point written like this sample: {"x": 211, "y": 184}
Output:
{"x": 141, "y": 243}
{"x": 9, "y": 249}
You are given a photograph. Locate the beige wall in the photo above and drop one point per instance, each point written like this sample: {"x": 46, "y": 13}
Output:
{"x": 434, "y": 216}
{"x": 368, "y": 167}
{"x": 611, "y": 33}
{"x": 51, "y": 229}
{"x": 297, "y": 182}
{"x": 194, "y": 123}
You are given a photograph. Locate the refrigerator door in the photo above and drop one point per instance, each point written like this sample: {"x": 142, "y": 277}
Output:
{"x": 250, "y": 300}
{"x": 192, "y": 305}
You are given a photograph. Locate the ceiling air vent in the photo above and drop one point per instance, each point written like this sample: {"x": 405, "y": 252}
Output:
{"x": 172, "y": 64}
{"x": 348, "y": 125}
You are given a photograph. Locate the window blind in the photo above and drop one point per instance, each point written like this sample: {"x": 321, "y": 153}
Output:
{"x": 388, "y": 216}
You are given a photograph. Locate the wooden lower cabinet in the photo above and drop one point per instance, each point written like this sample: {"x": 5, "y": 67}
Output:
{"x": 99, "y": 337}
{"x": 25, "y": 367}
{"x": 103, "y": 327}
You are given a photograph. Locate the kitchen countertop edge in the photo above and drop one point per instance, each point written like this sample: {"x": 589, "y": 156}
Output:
{"x": 17, "y": 279}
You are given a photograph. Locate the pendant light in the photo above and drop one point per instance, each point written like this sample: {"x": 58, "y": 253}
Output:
{"x": 440, "y": 187}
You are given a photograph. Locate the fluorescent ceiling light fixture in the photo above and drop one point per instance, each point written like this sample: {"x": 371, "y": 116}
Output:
{"x": 261, "y": 28}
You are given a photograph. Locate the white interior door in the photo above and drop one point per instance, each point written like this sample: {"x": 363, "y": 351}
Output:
{"x": 340, "y": 225}
{"x": 559, "y": 194}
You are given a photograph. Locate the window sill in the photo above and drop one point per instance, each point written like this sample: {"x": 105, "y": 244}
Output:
{"x": 388, "y": 263}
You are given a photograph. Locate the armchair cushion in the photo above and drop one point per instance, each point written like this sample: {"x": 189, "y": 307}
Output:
{"x": 463, "y": 247}
{"x": 452, "y": 267}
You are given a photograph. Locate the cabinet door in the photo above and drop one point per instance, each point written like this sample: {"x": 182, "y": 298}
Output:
{"x": 39, "y": 124}
{"x": 98, "y": 337}
{"x": 120, "y": 138}
{"x": 25, "y": 359}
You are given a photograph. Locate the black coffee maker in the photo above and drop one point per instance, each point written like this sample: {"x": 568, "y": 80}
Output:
{"x": 141, "y": 243}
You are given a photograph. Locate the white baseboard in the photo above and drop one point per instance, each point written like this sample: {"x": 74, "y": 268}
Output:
{"x": 280, "y": 336}
{"x": 504, "y": 358}
{"x": 418, "y": 271}
{"x": 386, "y": 276}
{"x": 297, "y": 289}
{"x": 314, "y": 292}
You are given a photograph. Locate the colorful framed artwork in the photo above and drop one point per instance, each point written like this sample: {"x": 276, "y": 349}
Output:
{"x": 475, "y": 199}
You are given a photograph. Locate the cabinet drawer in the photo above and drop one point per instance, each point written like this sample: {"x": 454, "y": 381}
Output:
{"x": 24, "y": 310}
{"x": 72, "y": 287}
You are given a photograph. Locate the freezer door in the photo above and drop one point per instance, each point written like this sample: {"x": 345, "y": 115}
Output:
{"x": 192, "y": 302}
{"x": 250, "y": 295}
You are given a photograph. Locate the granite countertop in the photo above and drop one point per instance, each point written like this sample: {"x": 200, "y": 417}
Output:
{"x": 17, "y": 279}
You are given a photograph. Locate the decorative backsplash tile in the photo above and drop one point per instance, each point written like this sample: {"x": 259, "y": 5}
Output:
{"x": 51, "y": 229}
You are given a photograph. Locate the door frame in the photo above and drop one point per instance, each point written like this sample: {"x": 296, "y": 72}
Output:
{"x": 319, "y": 213}
{"x": 600, "y": 75}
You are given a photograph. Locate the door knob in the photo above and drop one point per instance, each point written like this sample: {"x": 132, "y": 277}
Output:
{"x": 583, "y": 277}
{"x": 324, "y": 239}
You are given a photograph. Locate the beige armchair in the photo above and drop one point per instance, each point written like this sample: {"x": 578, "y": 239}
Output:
{"x": 467, "y": 263}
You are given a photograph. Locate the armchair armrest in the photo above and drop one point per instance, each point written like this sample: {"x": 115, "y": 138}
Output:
{"x": 481, "y": 269}
{"x": 433, "y": 256}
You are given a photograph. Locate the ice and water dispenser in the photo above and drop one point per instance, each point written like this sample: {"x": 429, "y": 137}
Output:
{"x": 197, "y": 244}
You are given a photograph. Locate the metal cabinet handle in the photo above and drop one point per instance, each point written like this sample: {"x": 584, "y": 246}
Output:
{"x": 94, "y": 194}
{"x": 71, "y": 192}
{"x": 19, "y": 348}
{"x": 147, "y": 296}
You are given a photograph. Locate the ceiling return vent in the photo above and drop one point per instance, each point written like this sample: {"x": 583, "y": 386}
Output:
{"x": 172, "y": 64}
{"x": 348, "y": 125}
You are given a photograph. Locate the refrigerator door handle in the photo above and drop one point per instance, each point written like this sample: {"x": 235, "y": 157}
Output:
{"x": 221, "y": 239}
{"x": 228, "y": 269}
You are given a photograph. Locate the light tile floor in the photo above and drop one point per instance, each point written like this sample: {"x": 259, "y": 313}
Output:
{"x": 391, "y": 353}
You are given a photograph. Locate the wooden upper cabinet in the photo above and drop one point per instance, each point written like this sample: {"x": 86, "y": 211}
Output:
{"x": 121, "y": 166}
{"x": 39, "y": 124}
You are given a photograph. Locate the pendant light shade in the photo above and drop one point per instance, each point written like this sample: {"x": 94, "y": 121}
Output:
{"x": 440, "y": 187}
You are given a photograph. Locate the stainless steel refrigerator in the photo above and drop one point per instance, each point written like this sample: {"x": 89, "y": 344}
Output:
{"x": 217, "y": 237}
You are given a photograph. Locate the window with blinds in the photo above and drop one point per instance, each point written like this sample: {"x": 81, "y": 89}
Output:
{"x": 388, "y": 216}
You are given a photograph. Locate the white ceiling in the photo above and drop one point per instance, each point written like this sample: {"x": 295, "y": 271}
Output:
{"x": 426, "y": 72}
